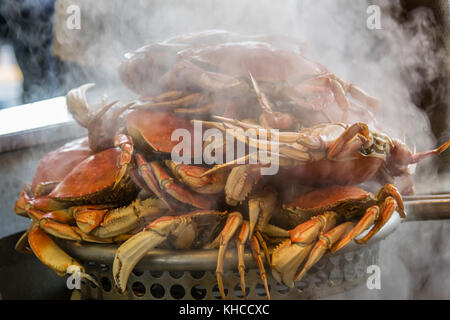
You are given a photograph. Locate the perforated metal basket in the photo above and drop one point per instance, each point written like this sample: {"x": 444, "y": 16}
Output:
{"x": 190, "y": 274}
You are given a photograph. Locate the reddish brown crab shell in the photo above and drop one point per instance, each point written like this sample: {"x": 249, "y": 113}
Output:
{"x": 329, "y": 172}
{"x": 264, "y": 61}
{"x": 152, "y": 131}
{"x": 92, "y": 181}
{"x": 55, "y": 165}
{"x": 345, "y": 200}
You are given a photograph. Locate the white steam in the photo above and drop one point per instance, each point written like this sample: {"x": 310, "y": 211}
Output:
{"x": 392, "y": 64}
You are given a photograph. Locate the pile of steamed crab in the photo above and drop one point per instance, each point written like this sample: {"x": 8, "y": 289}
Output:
{"x": 121, "y": 185}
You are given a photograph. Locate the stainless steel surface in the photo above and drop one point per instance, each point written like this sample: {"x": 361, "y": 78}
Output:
{"x": 42, "y": 122}
{"x": 187, "y": 260}
{"x": 332, "y": 275}
{"x": 176, "y": 272}
{"x": 428, "y": 207}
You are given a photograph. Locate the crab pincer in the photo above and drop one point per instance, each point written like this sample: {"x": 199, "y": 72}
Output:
{"x": 190, "y": 230}
{"x": 332, "y": 217}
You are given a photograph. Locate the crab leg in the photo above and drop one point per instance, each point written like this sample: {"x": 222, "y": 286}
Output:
{"x": 21, "y": 203}
{"x": 391, "y": 190}
{"x": 126, "y": 219}
{"x": 234, "y": 221}
{"x": 371, "y": 215}
{"x": 270, "y": 118}
{"x": 22, "y": 245}
{"x": 391, "y": 201}
{"x": 193, "y": 176}
{"x": 285, "y": 137}
{"x": 256, "y": 252}
{"x": 166, "y": 96}
{"x": 51, "y": 254}
{"x": 185, "y": 101}
{"x": 294, "y": 151}
{"x": 263, "y": 244}
{"x": 261, "y": 207}
{"x": 357, "y": 93}
{"x": 183, "y": 195}
{"x": 48, "y": 252}
{"x": 240, "y": 244}
{"x": 387, "y": 209}
{"x": 320, "y": 248}
{"x": 147, "y": 175}
{"x": 204, "y": 109}
{"x": 404, "y": 156}
{"x": 341, "y": 99}
{"x": 346, "y": 143}
{"x": 107, "y": 223}
{"x": 65, "y": 231}
{"x": 206, "y": 81}
{"x": 288, "y": 256}
{"x": 124, "y": 143}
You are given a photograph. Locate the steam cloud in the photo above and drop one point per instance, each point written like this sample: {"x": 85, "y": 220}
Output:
{"x": 392, "y": 63}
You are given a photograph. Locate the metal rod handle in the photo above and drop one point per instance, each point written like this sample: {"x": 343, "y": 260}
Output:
{"x": 431, "y": 208}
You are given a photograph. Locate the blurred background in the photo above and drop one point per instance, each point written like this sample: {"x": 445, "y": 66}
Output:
{"x": 405, "y": 63}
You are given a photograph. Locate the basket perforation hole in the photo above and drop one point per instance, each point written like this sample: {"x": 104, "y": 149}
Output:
{"x": 177, "y": 291}
{"x": 156, "y": 274}
{"x": 197, "y": 274}
{"x": 176, "y": 274}
{"x": 138, "y": 289}
{"x": 157, "y": 291}
{"x": 138, "y": 273}
{"x": 198, "y": 292}
{"x": 106, "y": 284}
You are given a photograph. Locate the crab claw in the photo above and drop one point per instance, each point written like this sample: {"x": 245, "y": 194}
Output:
{"x": 240, "y": 183}
{"x": 371, "y": 215}
{"x": 387, "y": 209}
{"x": 132, "y": 250}
{"x": 322, "y": 246}
{"x": 288, "y": 256}
{"x": 52, "y": 255}
{"x": 77, "y": 104}
{"x": 178, "y": 227}
{"x": 261, "y": 207}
